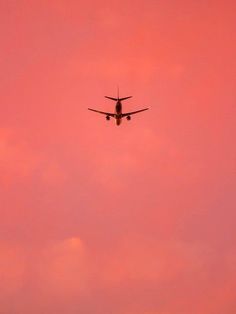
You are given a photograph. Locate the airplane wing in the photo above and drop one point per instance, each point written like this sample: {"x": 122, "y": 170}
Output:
{"x": 133, "y": 112}
{"x": 102, "y": 112}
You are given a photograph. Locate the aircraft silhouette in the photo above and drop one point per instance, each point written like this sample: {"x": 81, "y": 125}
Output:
{"x": 118, "y": 115}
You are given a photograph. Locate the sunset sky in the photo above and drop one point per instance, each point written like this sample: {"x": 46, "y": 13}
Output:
{"x": 100, "y": 219}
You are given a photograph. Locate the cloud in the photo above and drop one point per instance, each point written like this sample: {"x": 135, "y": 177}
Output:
{"x": 99, "y": 219}
{"x": 143, "y": 260}
{"x": 155, "y": 273}
{"x": 12, "y": 269}
{"x": 17, "y": 160}
{"x": 63, "y": 268}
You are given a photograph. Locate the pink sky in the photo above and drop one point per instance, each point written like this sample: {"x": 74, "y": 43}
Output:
{"x": 136, "y": 219}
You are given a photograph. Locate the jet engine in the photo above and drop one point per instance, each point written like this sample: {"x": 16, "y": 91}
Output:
{"x": 108, "y": 118}
{"x": 128, "y": 118}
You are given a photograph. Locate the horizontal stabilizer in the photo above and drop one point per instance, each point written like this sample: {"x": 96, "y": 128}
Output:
{"x": 115, "y": 99}
{"x": 124, "y": 98}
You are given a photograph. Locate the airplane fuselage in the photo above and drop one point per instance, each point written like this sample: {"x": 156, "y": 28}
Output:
{"x": 118, "y": 112}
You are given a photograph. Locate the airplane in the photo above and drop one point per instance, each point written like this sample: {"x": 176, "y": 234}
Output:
{"x": 118, "y": 115}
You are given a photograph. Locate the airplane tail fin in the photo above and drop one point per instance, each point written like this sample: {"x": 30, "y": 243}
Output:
{"x": 118, "y": 97}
